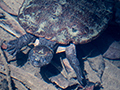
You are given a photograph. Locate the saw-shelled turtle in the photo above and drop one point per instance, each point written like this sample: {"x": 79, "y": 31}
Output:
{"x": 60, "y": 22}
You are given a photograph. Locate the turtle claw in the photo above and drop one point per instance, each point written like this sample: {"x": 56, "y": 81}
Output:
{"x": 13, "y": 52}
{"x": 10, "y": 47}
{"x": 13, "y": 47}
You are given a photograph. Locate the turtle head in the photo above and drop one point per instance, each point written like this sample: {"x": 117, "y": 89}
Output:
{"x": 40, "y": 56}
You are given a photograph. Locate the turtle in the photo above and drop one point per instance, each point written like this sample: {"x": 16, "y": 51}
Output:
{"x": 60, "y": 22}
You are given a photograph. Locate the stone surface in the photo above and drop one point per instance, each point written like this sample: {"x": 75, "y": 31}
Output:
{"x": 11, "y": 6}
{"x": 66, "y": 77}
{"x": 113, "y": 52}
{"x": 11, "y": 25}
{"x": 111, "y": 77}
{"x": 97, "y": 64}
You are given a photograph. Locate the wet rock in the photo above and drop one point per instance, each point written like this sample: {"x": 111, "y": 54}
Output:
{"x": 115, "y": 62}
{"x": 117, "y": 14}
{"x": 90, "y": 86}
{"x": 113, "y": 51}
{"x": 11, "y": 6}
{"x": 60, "y": 49}
{"x": 11, "y": 25}
{"x": 62, "y": 82}
{"x": 2, "y": 15}
{"x": 66, "y": 77}
{"x": 97, "y": 64}
{"x": 29, "y": 80}
{"x": 1, "y": 42}
{"x": 111, "y": 77}
{"x": 3, "y": 82}
{"x": 5, "y": 78}
{"x": 19, "y": 85}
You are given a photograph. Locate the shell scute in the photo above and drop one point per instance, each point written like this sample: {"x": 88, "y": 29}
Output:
{"x": 63, "y": 21}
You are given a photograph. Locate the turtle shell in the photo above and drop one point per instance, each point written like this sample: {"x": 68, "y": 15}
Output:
{"x": 64, "y": 21}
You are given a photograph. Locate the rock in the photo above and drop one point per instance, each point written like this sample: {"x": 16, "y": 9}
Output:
{"x": 19, "y": 85}
{"x": 29, "y": 80}
{"x": 60, "y": 49}
{"x": 91, "y": 75}
{"x": 3, "y": 82}
{"x": 113, "y": 52}
{"x": 117, "y": 14}
{"x": 97, "y": 64}
{"x": 66, "y": 77}
{"x": 11, "y": 6}
{"x": 115, "y": 62}
{"x": 11, "y": 25}
{"x": 111, "y": 77}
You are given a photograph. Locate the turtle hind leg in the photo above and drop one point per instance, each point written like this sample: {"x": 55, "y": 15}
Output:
{"x": 14, "y": 46}
{"x": 74, "y": 62}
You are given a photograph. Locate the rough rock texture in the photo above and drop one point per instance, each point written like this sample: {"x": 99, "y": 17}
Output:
{"x": 113, "y": 51}
{"x": 11, "y": 6}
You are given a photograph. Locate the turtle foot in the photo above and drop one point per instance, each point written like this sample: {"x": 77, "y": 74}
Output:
{"x": 13, "y": 47}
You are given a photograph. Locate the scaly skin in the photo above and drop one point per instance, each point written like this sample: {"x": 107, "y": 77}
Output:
{"x": 15, "y": 46}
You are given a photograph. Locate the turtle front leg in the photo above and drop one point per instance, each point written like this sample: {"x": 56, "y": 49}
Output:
{"x": 74, "y": 62}
{"x": 14, "y": 46}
